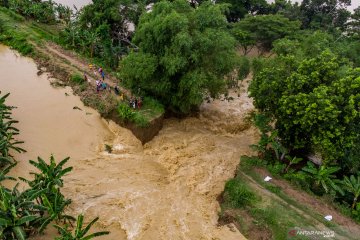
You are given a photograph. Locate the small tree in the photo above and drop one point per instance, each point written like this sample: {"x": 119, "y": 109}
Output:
{"x": 352, "y": 185}
{"x": 322, "y": 176}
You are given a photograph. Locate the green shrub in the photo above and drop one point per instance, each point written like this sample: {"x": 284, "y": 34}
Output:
{"x": 238, "y": 195}
{"x": 77, "y": 79}
{"x": 243, "y": 68}
{"x": 277, "y": 168}
{"x": 257, "y": 64}
{"x": 16, "y": 41}
{"x": 155, "y": 106}
{"x": 356, "y": 213}
{"x": 140, "y": 120}
{"x": 125, "y": 112}
{"x": 12, "y": 14}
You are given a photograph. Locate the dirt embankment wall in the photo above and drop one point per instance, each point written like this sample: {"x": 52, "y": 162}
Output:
{"x": 62, "y": 73}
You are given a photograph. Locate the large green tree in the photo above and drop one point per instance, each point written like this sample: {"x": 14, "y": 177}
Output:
{"x": 183, "y": 54}
{"x": 239, "y": 8}
{"x": 325, "y": 14}
{"x": 264, "y": 29}
{"x": 314, "y": 103}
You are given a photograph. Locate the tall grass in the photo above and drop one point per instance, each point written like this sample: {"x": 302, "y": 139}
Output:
{"x": 17, "y": 40}
{"x": 238, "y": 195}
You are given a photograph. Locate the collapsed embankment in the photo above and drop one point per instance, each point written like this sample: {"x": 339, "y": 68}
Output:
{"x": 164, "y": 189}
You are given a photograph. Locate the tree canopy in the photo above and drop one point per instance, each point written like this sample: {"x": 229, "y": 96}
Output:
{"x": 239, "y": 8}
{"x": 314, "y": 102}
{"x": 183, "y": 54}
{"x": 264, "y": 29}
{"x": 324, "y": 14}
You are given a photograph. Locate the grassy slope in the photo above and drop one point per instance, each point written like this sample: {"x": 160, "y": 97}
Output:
{"x": 275, "y": 212}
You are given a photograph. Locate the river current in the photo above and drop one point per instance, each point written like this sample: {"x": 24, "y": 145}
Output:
{"x": 165, "y": 189}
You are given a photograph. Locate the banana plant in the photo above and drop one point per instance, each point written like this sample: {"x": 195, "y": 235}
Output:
{"x": 80, "y": 232}
{"x": 55, "y": 210}
{"x": 352, "y": 185}
{"x": 7, "y": 133}
{"x": 49, "y": 175}
{"x": 48, "y": 180}
{"x": 17, "y": 213}
{"x": 322, "y": 176}
{"x": 5, "y": 171}
{"x": 292, "y": 161}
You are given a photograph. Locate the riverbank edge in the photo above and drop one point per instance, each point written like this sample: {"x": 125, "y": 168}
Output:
{"x": 63, "y": 75}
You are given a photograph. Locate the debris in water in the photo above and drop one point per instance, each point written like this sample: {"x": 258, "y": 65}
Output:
{"x": 108, "y": 148}
{"x": 267, "y": 179}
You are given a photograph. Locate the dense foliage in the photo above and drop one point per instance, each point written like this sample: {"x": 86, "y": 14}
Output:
{"x": 183, "y": 54}
{"x": 239, "y": 9}
{"x": 103, "y": 29}
{"x": 43, "y": 11}
{"x": 7, "y": 134}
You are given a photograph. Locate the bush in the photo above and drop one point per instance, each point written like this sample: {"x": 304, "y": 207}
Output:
{"x": 125, "y": 112}
{"x": 77, "y": 79}
{"x": 155, "y": 106}
{"x": 257, "y": 64}
{"x": 12, "y": 14}
{"x": 238, "y": 195}
{"x": 243, "y": 68}
{"x": 15, "y": 41}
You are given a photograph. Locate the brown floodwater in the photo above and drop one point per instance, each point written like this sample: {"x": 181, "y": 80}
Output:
{"x": 166, "y": 189}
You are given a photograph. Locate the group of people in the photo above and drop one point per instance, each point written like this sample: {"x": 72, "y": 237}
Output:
{"x": 100, "y": 71}
{"x": 135, "y": 102}
{"x": 102, "y": 85}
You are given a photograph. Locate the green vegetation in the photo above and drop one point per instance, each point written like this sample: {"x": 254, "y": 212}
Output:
{"x": 263, "y": 30}
{"x": 183, "y": 54}
{"x": 270, "y": 214}
{"x": 42, "y": 11}
{"x": 7, "y": 134}
{"x": 30, "y": 211}
{"x": 80, "y": 232}
{"x": 238, "y": 195}
{"x": 77, "y": 79}
{"x": 306, "y": 90}
{"x": 150, "y": 110}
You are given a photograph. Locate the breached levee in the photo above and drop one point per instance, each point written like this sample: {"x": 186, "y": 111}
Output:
{"x": 165, "y": 189}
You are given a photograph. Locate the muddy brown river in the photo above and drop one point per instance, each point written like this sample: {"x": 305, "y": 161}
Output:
{"x": 166, "y": 189}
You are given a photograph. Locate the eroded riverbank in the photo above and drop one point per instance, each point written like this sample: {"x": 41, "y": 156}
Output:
{"x": 166, "y": 189}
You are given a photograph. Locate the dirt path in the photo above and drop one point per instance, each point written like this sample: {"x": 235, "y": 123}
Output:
{"x": 73, "y": 63}
{"x": 312, "y": 202}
